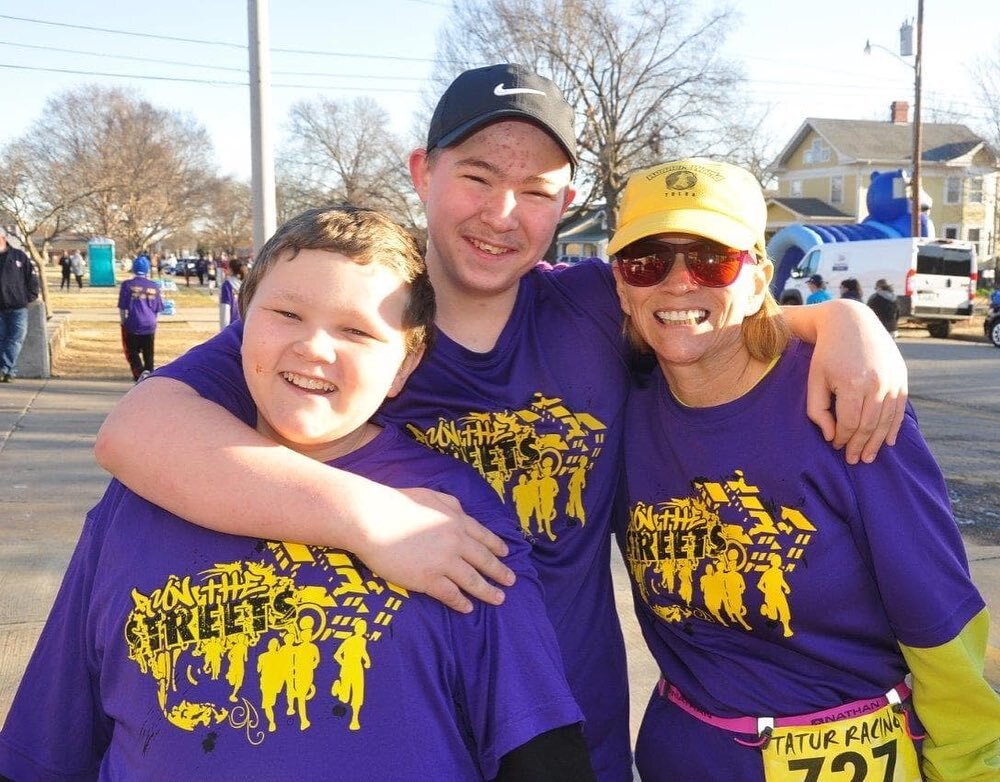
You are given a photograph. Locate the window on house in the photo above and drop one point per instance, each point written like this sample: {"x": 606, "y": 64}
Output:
{"x": 975, "y": 190}
{"x": 973, "y": 236}
{"x": 953, "y": 190}
{"x": 795, "y": 188}
{"x": 950, "y": 232}
{"x": 818, "y": 152}
{"x": 836, "y": 190}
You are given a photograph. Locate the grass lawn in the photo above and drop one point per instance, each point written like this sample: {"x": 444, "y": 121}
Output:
{"x": 93, "y": 346}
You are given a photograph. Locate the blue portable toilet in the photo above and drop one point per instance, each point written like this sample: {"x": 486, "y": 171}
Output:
{"x": 101, "y": 259}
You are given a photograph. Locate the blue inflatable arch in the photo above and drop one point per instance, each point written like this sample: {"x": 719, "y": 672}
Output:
{"x": 888, "y": 218}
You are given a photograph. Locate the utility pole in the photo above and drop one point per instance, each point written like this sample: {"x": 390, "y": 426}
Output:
{"x": 917, "y": 126}
{"x": 261, "y": 147}
{"x": 906, "y": 50}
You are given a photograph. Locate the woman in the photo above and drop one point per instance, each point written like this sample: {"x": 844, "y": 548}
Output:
{"x": 782, "y": 591}
{"x": 850, "y": 288}
{"x": 229, "y": 295}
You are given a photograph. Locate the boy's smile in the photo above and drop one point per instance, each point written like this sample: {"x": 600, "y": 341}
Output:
{"x": 323, "y": 346}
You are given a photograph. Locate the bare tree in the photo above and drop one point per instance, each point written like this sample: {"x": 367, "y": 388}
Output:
{"x": 344, "y": 152}
{"x": 986, "y": 75}
{"x": 144, "y": 172}
{"x": 647, "y": 78}
{"x": 228, "y": 221}
{"x": 35, "y": 203}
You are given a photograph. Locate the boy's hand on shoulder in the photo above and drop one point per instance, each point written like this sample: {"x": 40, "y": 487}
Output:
{"x": 857, "y": 361}
{"x": 440, "y": 550}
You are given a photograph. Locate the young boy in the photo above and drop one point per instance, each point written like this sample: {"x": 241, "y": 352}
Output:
{"x": 139, "y": 303}
{"x": 179, "y": 652}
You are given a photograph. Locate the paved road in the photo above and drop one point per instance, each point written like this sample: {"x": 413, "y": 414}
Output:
{"x": 50, "y": 479}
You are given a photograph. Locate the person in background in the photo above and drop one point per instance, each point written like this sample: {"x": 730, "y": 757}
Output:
{"x": 139, "y": 304}
{"x": 350, "y": 677}
{"x": 817, "y": 290}
{"x": 884, "y": 304}
{"x": 170, "y": 263}
{"x": 76, "y": 266}
{"x": 527, "y": 382}
{"x": 995, "y": 298}
{"x": 18, "y": 288}
{"x": 201, "y": 268}
{"x": 229, "y": 294}
{"x": 850, "y": 288}
{"x": 785, "y": 594}
{"x": 64, "y": 268}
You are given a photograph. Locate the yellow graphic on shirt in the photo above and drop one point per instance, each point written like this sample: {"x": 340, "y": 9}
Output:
{"x": 536, "y": 459}
{"x": 247, "y": 637}
{"x": 352, "y": 654}
{"x": 696, "y": 556}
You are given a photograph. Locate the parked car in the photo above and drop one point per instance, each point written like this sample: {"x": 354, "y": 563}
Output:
{"x": 186, "y": 267}
{"x": 992, "y": 324}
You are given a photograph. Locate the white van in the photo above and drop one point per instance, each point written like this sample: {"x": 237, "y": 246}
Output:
{"x": 934, "y": 279}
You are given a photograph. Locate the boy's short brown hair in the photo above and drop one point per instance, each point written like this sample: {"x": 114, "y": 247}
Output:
{"x": 363, "y": 235}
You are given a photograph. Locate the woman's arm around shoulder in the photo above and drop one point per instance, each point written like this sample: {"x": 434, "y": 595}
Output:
{"x": 857, "y": 379}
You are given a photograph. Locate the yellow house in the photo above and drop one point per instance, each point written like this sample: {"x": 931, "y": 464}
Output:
{"x": 824, "y": 170}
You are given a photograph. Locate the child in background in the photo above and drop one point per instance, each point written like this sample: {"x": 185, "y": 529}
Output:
{"x": 175, "y": 652}
{"x": 139, "y": 303}
{"x": 229, "y": 295}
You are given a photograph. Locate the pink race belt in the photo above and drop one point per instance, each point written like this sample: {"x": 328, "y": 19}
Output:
{"x": 762, "y": 726}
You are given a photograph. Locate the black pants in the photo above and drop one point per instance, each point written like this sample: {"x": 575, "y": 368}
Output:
{"x": 139, "y": 352}
{"x": 79, "y": 281}
{"x": 64, "y": 282}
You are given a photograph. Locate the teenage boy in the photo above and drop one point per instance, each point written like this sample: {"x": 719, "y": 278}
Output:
{"x": 139, "y": 305}
{"x": 174, "y": 651}
{"x": 527, "y": 382}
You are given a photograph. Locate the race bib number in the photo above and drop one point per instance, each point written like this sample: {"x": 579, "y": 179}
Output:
{"x": 872, "y": 748}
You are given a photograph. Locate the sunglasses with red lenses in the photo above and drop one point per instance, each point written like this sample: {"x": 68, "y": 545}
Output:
{"x": 648, "y": 262}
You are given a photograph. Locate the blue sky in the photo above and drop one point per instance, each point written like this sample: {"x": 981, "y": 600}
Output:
{"x": 798, "y": 66}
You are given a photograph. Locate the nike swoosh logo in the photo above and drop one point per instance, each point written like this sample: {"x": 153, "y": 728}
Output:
{"x": 500, "y": 90}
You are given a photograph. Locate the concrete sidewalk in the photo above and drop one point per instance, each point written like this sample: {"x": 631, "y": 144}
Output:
{"x": 50, "y": 480}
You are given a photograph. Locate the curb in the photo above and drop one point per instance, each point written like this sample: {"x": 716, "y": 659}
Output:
{"x": 57, "y": 334}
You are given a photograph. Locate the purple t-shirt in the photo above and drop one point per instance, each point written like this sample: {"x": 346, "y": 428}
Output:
{"x": 229, "y": 296}
{"x": 141, "y": 298}
{"x": 770, "y": 577}
{"x": 176, "y": 652}
{"x": 540, "y": 418}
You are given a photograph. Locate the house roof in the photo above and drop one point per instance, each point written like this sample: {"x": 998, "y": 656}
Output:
{"x": 950, "y": 151}
{"x": 884, "y": 142}
{"x": 810, "y": 208}
{"x": 591, "y": 222}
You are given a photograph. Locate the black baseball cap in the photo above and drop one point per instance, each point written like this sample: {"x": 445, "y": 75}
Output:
{"x": 481, "y": 96}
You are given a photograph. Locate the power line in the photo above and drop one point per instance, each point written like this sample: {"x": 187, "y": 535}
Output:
{"x": 157, "y": 61}
{"x": 120, "y": 56}
{"x": 210, "y": 82}
{"x": 203, "y": 42}
{"x": 123, "y": 32}
{"x": 123, "y": 75}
